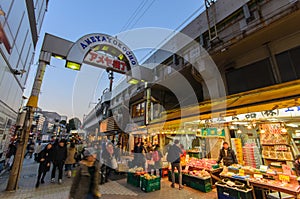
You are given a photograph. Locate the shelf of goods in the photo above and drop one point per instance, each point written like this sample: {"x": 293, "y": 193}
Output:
{"x": 275, "y": 145}
{"x": 237, "y": 147}
{"x": 227, "y": 189}
{"x": 252, "y": 155}
{"x": 199, "y": 180}
{"x": 259, "y": 179}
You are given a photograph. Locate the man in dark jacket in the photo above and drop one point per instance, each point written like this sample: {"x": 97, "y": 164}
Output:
{"x": 228, "y": 155}
{"x": 60, "y": 153}
{"x": 173, "y": 156}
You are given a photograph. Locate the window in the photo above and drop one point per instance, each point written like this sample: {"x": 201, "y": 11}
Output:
{"x": 253, "y": 76}
{"x": 138, "y": 110}
{"x": 289, "y": 64}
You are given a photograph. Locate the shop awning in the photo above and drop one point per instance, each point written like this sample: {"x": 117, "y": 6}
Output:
{"x": 269, "y": 98}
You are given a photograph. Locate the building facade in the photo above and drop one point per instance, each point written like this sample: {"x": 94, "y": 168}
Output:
{"x": 20, "y": 25}
{"x": 255, "y": 47}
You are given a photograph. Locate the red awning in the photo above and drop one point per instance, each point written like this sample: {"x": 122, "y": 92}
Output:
{"x": 4, "y": 40}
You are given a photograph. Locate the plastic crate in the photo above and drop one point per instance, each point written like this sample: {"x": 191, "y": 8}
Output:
{"x": 133, "y": 179}
{"x": 201, "y": 187}
{"x": 150, "y": 185}
{"x": 232, "y": 193}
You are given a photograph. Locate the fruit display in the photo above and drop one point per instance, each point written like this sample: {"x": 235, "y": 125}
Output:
{"x": 137, "y": 170}
{"x": 149, "y": 177}
{"x": 201, "y": 163}
{"x": 199, "y": 173}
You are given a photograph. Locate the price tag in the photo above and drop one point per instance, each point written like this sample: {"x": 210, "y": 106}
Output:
{"x": 284, "y": 178}
{"x": 241, "y": 172}
{"x": 258, "y": 176}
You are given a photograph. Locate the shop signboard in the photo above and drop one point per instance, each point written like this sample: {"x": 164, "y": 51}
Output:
{"x": 212, "y": 132}
{"x": 105, "y": 62}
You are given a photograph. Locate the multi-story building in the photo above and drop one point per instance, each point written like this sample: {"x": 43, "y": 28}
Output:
{"x": 254, "y": 46}
{"x": 20, "y": 25}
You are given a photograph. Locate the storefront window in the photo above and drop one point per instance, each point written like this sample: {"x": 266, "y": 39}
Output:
{"x": 138, "y": 110}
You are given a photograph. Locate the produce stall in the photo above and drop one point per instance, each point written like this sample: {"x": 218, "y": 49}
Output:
{"x": 264, "y": 179}
{"x": 197, "y": 179}
{"x": 139, "y": 178}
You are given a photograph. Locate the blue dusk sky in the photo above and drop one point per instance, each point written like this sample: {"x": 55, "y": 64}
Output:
{"x": 74, "y": 93}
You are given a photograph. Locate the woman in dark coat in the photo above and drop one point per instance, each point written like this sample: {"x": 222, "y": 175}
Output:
{"x": 86, "y": 180}
{"x": 44, "y": 158}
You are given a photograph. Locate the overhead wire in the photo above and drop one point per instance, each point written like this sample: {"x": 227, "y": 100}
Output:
{"x": 133, "y": 16}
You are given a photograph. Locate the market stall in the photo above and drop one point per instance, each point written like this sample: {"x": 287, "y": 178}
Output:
{"x": 263, "y": 181}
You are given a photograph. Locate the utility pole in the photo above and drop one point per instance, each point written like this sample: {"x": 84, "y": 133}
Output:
{"x": 31, "y": 106}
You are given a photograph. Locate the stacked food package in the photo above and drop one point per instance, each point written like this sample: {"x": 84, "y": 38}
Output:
{"x": 202, "y": 163}
{"x": 237, "y": 147}
{"x": 251, "y": 155}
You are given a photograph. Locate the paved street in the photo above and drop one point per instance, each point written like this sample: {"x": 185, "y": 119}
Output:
{"x": 114, "y": 189}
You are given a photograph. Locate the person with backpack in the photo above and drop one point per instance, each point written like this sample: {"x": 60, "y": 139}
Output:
{"x": 173, "y": 157}
{"x": 44, "y": 158}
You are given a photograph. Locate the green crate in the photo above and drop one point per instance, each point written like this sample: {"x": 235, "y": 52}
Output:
{"x": 150, "y": 185}
{"x": 133, "y": 179}
{"x": 201, "y": 187}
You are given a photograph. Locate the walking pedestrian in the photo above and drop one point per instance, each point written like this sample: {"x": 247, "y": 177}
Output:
{"x": 44, "y": 158}
{"x": 37, "y": 150}
{"x": 10, "y": 155}
{"x": 109, "y": 163}
{"x": 173, "y": 157}
{"x": 30, "y": 149}
{"x": 85, "y": 182}
{"x": 59, "y": 158}
{"x": 70, "y": 159}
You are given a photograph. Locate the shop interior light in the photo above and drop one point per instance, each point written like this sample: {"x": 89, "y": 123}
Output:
{"x": 232, "y": 127}
{"x": 239, "y": 131}
{"x": 249, "y": 127}
{"x": 283, "y": 130}
{"x": 292, "y": 125}
{"x": 262, "y": 131}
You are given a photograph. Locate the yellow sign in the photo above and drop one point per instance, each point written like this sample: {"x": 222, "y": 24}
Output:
{"x": 284, "y": 178}
{"x": 241, "y": 172}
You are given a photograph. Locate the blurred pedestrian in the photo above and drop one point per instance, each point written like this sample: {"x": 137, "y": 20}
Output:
{"x": 10, "y": 155}
{"x": 109, "y": 163}
{"x": 30, "y": 149}
{"x": 44, "y": 158}
{"x": 157, "y": 158}
{"x": 173, "y": 157}
{"x": 59, "y": 157}
{"x": 85, "y": 182}
{"x": 70, "y": 159}
{"x": 37, "y": 150}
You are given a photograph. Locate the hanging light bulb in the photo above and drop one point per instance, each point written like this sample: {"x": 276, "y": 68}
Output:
{"x": 283, "y": 130}
{"x": 249, "y": 127}
{"x": 262, "y": 131}
{"x": 239, "y": 131}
